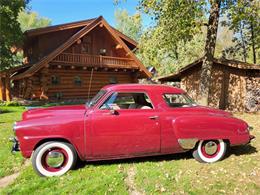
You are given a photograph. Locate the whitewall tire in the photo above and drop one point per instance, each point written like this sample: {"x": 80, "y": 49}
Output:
{"x": 210, "y": 151}
{"x": 54, "y": 158}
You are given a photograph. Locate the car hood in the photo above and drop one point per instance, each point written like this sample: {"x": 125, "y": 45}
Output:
{"x": 56, "y": 111}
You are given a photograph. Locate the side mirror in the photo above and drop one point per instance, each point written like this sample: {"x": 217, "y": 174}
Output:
{"x": 113, "y": 112}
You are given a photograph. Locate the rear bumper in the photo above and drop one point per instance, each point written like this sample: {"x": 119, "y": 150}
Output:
{"x": 240, "y": 139}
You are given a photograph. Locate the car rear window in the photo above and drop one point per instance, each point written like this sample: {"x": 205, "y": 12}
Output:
{"x": 178, "y": 100}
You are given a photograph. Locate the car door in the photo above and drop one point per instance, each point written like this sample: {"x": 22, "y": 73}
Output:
{"x": 117, "y": 130}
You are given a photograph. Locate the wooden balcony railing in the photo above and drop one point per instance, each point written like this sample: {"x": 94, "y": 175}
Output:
{"x": 94, "y": 60}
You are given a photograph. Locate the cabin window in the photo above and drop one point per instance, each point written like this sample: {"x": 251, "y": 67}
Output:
{"x": 58, "y": 95}
{"x": 30, "y": 51}
{"x": 102, "y": 52}
{"x": 77, "y": 81}
{"x": 55, "y": 80}
{"x": 113, "y": 80}
{"x": 85, "y": 48}
{"x": 12, "y": 84}
{"x": 86, "y": 44}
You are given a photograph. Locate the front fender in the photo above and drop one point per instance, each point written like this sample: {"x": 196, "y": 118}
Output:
{"x": 32, "y": 132}
{"x": 190, "y": 129}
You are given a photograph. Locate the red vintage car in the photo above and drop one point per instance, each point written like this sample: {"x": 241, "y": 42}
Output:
{"x": 124, "y": 121}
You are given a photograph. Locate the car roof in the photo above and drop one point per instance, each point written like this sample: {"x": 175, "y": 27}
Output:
{"x": 146, "y": 87}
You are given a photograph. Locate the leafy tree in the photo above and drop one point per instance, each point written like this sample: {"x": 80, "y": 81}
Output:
{"x": 174, "y": 21}
{"x": 178, "y": 21}
{"x": 244, "y": 20}
{"x": 129, "y": 25}
{"x": 224, "y": 41}
{"x": 30, "y": 20}
{"x": 152, "y": 53}
{"x": 10, "y": 33}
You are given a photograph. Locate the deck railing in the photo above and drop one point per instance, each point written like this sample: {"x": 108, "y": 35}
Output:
{"x": 94, "y": 60}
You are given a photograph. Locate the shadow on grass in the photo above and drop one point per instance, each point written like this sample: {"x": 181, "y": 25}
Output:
{"x": 3, "y": 111}
{"x": 242, "y": 150}
{"x": 168, "y": 157}
{"x": 236, "y": 150}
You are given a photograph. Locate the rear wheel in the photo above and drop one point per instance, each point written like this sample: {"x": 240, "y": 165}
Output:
{"x": 210, "y": 151}
{"x": 54, "y": 158}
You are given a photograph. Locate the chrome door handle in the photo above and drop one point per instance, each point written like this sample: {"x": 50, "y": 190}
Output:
{"x": 153, "y": 117}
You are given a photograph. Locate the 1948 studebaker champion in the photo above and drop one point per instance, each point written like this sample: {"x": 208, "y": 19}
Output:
{"x": 124, "y": 121}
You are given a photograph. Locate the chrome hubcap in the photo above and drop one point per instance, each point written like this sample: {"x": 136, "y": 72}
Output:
{"x": 211, "y": 147}
{"x": 55, "y": 159}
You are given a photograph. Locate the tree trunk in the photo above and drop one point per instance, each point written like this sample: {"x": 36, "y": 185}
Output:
{"x": 243, "y": 41}
{"x": 176, "y": 52}
{"x": 209, "y": 52}
{"x": 253, "y": 42}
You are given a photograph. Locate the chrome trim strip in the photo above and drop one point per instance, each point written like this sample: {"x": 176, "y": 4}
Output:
{"x": 14, "y": 126}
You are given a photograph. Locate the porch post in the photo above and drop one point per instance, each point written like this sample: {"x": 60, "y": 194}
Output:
{"x": 8, "y": 88}
{"x": 2, "y": 95}
{"x": 44, "y": 82}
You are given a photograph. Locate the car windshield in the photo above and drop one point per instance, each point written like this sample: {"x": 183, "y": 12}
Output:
{"x": 95, "y": 99}
{"x": 178, "y": 100}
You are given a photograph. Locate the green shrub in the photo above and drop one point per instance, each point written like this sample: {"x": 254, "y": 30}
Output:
{"x": 11, "y": 103}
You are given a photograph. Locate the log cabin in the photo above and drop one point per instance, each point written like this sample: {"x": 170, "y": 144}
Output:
{"x": 71, "y": 61}
{"x": 235, "y": 85}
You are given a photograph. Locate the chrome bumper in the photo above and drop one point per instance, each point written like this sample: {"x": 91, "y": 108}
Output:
{"x": 251, "y": 137}
{"x": 15, "y": 146}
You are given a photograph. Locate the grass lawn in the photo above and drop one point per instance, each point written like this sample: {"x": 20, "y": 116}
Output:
{"x": 239, "y": 173}
{"x": 8, "y": 163}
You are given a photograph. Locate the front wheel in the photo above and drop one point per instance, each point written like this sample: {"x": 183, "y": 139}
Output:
{"x": 54, "y": 158}
{"x": 210, "y": 151}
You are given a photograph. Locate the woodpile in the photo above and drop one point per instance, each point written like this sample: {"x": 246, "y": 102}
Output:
{"x": 252, "y": 99}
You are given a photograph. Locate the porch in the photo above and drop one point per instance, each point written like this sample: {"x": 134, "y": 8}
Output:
{"x": 98, "y": 61}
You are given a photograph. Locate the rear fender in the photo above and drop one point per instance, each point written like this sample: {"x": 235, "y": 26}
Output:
{"x": 190, "y": 129}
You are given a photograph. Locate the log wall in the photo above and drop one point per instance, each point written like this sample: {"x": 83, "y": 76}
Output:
{"x": 68, "y": 89}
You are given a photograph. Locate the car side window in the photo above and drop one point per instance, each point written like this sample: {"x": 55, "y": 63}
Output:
{"x": 124, "y": 100}
{"x": 177, "y": 100}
